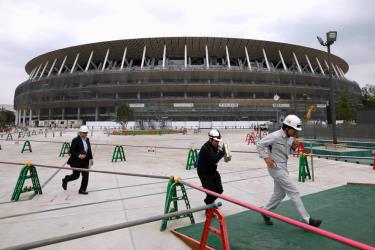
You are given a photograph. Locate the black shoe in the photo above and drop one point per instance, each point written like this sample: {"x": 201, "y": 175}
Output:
{"x": 64, "y": 184}
{"x": 267, "y": 220}
{"x": 315, "y": 223}
{"x": 82, "y": 192}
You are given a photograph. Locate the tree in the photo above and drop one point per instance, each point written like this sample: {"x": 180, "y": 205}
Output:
{"x": 346, "y": 110}
{"x": 368, "y": 96}
{"x": 124, "y": 114}
{"x": 6, "y": 118}
{"x": 2, "y": 119}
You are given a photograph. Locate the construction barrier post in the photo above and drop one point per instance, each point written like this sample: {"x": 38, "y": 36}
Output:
{"x": 250, "y": 139}
{"x": 118, "y": 154}
{"x": 303, "y": 168}
{"x": 221, "y": 232}
{"x": 173, "y": 198}
{"x": 64, "y": 149}
{"x": 9, "y": 137}
{"x": 301, "y": 148}
{"x": 191, "y": 159}
{"x": 33, "y": 175}
{"x": 26, "y": 147}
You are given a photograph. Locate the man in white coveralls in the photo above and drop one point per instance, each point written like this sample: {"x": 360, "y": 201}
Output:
{"x": 274, "y": 149}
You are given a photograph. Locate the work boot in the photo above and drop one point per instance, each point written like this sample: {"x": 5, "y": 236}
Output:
{"x": 64, "y": 184}
{"x": 267, "y": 220}
{"x": 315, "y": 222}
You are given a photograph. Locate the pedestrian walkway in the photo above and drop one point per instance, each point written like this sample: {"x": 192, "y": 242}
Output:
{"x": 114, "y": 199}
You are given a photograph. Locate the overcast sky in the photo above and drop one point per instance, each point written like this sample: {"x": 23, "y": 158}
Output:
{"x": 29, "y": 28}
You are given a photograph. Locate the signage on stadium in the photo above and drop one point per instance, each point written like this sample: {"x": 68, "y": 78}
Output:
{"x": 228, "y": 105}
{"x": 183, "y": 105}
{"x": 281, "y": 105}
{"x": 137, "y": 105}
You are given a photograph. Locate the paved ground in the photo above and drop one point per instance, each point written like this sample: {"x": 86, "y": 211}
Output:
{"x": 114, "y": 199}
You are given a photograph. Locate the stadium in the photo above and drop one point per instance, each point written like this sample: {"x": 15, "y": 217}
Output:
{"x": 180, "y": 79}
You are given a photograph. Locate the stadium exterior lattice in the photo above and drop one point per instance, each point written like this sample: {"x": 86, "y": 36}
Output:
{"x": 180, "y": 79}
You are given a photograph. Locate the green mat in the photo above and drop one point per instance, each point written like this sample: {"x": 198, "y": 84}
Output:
{"x": 347, "y": 210}
{"x": 319, "y": 150}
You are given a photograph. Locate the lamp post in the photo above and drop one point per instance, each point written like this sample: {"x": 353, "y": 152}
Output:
{"x": 331, "y": 38}
{"x": 305, "y": 99}
{"x": 276, "y": 97}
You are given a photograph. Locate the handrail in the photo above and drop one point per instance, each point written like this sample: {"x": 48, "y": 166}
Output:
{"x": 72, "y": 236}
{"x": 316, "y": 230}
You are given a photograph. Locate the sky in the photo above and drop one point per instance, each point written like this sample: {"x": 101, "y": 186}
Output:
{"x": 29, "y": 28}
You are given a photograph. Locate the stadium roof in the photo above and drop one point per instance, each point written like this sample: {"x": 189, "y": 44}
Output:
{"x": 195, "y": 48}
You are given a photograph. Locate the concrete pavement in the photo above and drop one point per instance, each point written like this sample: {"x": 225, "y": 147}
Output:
{"x": 114, "y": 199}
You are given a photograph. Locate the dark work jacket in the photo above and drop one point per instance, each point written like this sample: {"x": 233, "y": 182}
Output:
{"x": 76, "y": 149}
{"x": 208, "y": 159}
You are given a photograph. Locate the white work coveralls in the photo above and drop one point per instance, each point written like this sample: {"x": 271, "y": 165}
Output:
{"x": 277, "y": 146}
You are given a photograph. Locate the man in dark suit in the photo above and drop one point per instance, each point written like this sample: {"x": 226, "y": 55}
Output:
{"x": 80, "y": 157}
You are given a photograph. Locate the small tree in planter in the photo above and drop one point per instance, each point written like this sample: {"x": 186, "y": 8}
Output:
{"x": 124, "y": 115}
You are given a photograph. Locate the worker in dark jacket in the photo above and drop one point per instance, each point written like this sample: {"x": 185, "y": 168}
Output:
{"x": 209, "y": 155}
{"x": 80, "y": 157}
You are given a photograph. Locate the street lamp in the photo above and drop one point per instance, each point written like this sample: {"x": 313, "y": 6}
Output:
{"x": 331, "y": 38}
{"x": 305, "y": 98}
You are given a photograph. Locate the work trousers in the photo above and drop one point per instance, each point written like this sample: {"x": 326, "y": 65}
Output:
{"x": 284, "y": 185}
{"x": 75, "y": 176}
{"x": 211, "y": 182}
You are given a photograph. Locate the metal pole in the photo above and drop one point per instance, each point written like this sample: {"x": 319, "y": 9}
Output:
{"x": 46, "y": 242}
{"x": 312, "y": 162}
{"x": 91, "y": 170}
{"x": 332, "y": 98}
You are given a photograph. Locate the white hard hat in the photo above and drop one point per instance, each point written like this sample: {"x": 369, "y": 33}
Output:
{"x": 293, "y": 121}
{"x": 215, "y": 134}
{"x": 84, "y": 129}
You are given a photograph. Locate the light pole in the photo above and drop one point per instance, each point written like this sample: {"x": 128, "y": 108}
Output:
{"x": 331, "y": 38}
{"x": 305, "y": 98}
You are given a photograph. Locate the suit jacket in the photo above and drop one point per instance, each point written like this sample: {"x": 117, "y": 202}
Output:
{"x": 76, "y": 149}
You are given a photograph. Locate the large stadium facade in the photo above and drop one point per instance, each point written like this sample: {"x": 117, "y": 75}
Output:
{"x": 180, "y": 79}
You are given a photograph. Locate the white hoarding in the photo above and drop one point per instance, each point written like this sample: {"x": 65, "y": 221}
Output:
{"x": 137, "y": 105}
{"x": 228, "y": 105}
{"x": 183, "y": 105}
{"x": 281, "y": 105}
